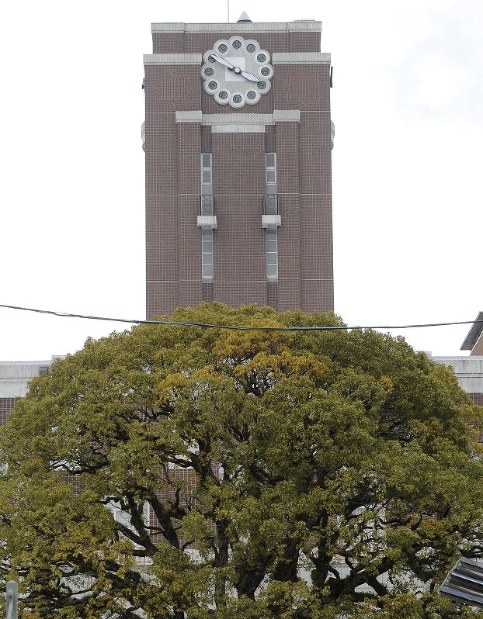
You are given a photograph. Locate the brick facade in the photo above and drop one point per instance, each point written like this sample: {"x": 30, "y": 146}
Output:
{"x": 478, "y": 348}
{"x": 6, "y": 405}
{"x": 300, "y": 84}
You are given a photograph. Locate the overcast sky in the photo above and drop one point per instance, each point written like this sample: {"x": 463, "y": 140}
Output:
{"x": 407, "y": 104}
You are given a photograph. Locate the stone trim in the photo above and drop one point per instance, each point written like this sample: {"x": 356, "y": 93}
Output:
{"x": 172, "y": 59}
{"x": 192, "y": 116}
{"x": 240, "y": 27}
{"x": 301, "y": 58}
{"x": 213, "y": 120}
{"x": 207, "y": 221}
{"x": 238, "y": 129}
{"x": 286, "y": 116}
{"x": 237, "y": 122}
{"x": 271, "y": 221}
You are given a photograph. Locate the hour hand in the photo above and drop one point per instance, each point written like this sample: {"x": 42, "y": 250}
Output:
{"x": 250, "y": 76}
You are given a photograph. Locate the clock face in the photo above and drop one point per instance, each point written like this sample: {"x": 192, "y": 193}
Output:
{"x": 236, "y": 72}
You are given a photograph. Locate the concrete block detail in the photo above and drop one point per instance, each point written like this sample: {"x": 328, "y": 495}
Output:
{"x": 172, "y": 59}
{"x": 301, "y": 58}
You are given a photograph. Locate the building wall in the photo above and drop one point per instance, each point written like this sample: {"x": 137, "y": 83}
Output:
{"x": 478, "y": 348}
{"x": 14, "y": 379}
{"x": 469, "y": 372}
{"x": 293, "y": 120}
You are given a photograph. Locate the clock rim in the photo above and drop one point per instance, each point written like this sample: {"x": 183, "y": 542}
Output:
{"x": 237, "y": 90}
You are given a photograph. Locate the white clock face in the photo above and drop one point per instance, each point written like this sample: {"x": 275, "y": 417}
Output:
{"x": 236, "y": 72}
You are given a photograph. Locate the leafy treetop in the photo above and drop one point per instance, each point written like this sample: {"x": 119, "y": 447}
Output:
{"x": 192, "y": 472}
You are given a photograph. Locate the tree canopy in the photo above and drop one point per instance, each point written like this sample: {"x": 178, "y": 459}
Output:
{"x": 183, "y": 471}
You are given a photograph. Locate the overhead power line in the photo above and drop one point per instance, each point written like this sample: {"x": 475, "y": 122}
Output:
{"x": 180, "y": 323}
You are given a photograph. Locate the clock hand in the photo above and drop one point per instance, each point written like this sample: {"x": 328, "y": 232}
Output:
{"x": 224, "y": 62}
{"x": 237, "y": 70}
{"x": 250, "y": 77}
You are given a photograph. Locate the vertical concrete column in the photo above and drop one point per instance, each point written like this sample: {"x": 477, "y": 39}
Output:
{"x": 189, "y": 235}
{"x": 289, "y": 241}
{"x": 171, "y": 85}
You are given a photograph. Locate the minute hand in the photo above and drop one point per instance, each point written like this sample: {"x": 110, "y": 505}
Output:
{"x": 224, "y": 62}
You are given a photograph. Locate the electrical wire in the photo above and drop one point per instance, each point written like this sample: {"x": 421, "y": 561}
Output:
{"x": 178, "y": 323}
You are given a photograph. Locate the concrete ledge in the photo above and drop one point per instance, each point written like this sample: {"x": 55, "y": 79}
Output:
{"x": 237, "y": 119}
{"x": 194, "y": 116}
{"x": 173, "y": 59}
{"x": 238, "y": 128}
{"x": 286, "y": 116}
{"x": 301, "y": 58}
{"x": 301, "y": 25}
{"x": 257, "y": 122}
{"x": 207, "y": 221}
{"x": 271, "y": 221}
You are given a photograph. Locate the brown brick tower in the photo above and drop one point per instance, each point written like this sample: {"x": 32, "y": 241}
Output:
{"x": 238, "y": 138}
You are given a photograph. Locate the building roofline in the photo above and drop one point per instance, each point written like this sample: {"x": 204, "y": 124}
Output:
{"x": 302, "y": 25}
{"x": 20, "y": 362}
{"x": 473, "y": 334}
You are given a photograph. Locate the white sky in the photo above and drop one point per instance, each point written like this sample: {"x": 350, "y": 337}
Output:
{"x": 408, "y": 182}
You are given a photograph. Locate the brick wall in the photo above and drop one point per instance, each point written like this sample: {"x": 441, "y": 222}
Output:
{"x": 303, "y": 148}
{"x": 6, "y": 405}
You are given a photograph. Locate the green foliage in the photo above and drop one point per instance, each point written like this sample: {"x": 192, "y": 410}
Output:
{"x": 212, "y": 473}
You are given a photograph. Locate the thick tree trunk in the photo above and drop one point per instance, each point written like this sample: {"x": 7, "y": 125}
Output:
{"x": 221, "y": 560}
{"x": 286, "y": 567}
{"x": 321, "y": 566}
{"x": 249, "y": 579}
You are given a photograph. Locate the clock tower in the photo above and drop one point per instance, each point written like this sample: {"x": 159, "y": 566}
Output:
{"x": 237, "y": 140}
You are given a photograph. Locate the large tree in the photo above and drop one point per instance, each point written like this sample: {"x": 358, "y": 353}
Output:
{"x": 184, "y": 471}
